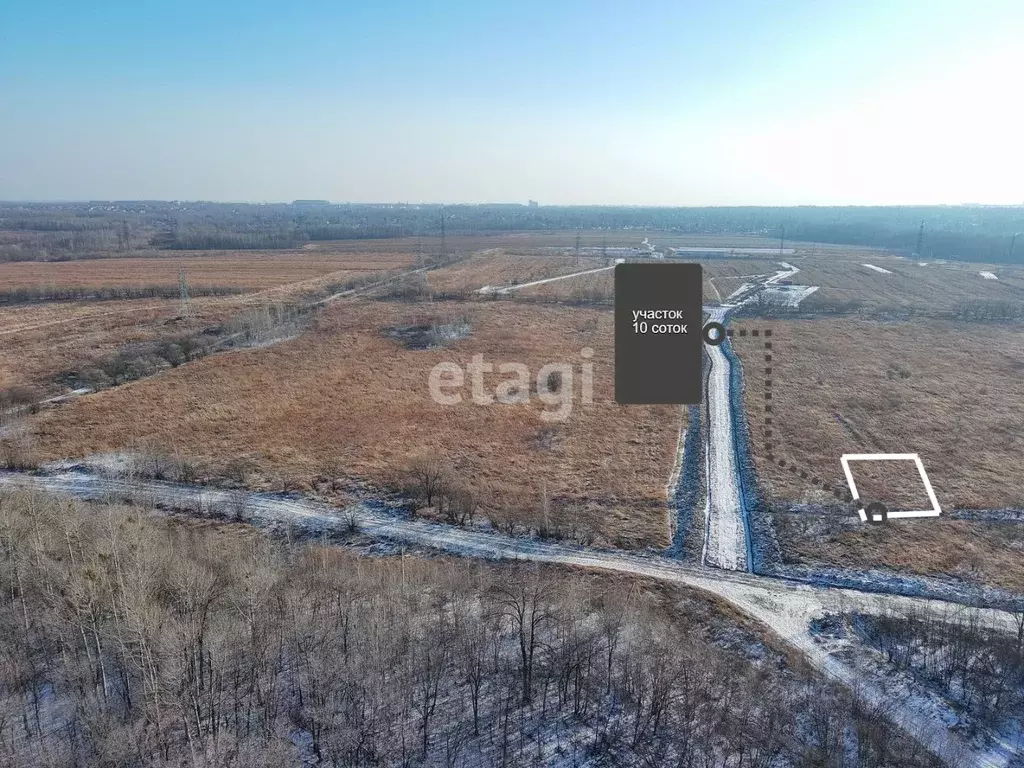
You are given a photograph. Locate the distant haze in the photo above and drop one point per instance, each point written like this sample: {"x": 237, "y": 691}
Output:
{"x": 655, "y": 103}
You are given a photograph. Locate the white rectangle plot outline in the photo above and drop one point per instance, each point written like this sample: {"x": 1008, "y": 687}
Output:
{"x": 846, "y": 458}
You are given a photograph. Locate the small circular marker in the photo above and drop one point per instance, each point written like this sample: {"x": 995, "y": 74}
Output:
{"x": 877, "y": 508}
{"x": 718, "y": 338}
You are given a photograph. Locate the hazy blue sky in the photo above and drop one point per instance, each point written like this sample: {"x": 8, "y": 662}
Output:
{"x": 666, "y": 102}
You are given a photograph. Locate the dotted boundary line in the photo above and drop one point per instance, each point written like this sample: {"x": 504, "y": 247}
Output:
{"x": 768, "y": 431}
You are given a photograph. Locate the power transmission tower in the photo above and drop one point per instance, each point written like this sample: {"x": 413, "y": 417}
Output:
{"x": 920, "y": 239}
{"x": 577, "y": 248}
{"x": 124, "y": 237}
{"x": 782, "y": 240}
{"x": 187, "y": 311}
{"x": 1013, "y": 241}
{"x": 604, "y": 247}
{"x": 444, "y": 243}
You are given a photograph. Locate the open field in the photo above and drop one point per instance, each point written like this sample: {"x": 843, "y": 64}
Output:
{"x": 41, "y": 340}
{"x": 950, "y": 392}
{"x": 498, "y": 269}
{"x": 246, "y": 270}
{"x": 843, "y": 278}
{"x": 721, "y": 277}
{"x": 345, "y": 398}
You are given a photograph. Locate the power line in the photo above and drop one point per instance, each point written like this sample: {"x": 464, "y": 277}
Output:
{"x": 186, "y": 310}
{"x": 444, "y": 242}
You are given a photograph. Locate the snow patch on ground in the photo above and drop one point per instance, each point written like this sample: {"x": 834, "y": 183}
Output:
{"x": 988, "y": 275}
{"x": 743, "y": 288}
{"x": 787, "y": 295}
{"x": 877, "y": 269}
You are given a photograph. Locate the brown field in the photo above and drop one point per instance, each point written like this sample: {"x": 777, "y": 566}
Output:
{"x": 721, "y": 274}
{"x": 247, "y": 270}
{"x": 346, "y": 396}
{"x": 41, "y": 340}
{"x": 981, "y": 552}
{"x": 952, "y": 393}
{"x": 936, "y": 286}
{"x": 599, "y": 286}
{"x": 499, "y": 269}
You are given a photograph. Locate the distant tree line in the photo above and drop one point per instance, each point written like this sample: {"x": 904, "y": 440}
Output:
{"x": 972, "y": 233}
{"x": 109, "y": 293}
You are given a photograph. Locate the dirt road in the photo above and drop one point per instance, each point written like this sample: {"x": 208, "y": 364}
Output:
{"x": 726, "y": 541}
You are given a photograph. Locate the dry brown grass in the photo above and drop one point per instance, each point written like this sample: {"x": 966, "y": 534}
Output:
{"x": 346, "y": 395}
{"x": 248, "y": 270}
{"x": 952, "y": 393}
{"x": 936, "y": 286}
{"x": 988, "y": 553}
{"x": 499, "y": 269}
{"x": 724, "y": 272}
{"x": 40, "y": 340}
{"x": 597, "y": 286}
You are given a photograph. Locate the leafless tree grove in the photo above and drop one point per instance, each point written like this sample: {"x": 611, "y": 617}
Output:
{"x": 133, "y": 640}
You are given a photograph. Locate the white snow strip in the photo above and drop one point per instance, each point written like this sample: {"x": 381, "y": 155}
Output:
{"x": 877, "y": 269}
{"x": 738, "y": 291}
{"x": 988, "y": 275}
{"x": 787, "y": 295}
{"x": 726, "y": 542}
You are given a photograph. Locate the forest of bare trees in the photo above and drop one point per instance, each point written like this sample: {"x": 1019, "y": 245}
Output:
{"x": 980, "y": 670}
{"x": 133, "y": 640}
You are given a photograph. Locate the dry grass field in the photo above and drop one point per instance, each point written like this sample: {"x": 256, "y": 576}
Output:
{"x": 246, "y": 270}
{"x": 981, "y": 552}
{"x": 498, "y": 269}
{"x": 42, "y": 339}
{"x": 951, "y": 392}
{"x": 599, "y": 286}
{"x": 721, "y": 277}
{"x": 346, "y": 398}
{"x": 842, "y": 278}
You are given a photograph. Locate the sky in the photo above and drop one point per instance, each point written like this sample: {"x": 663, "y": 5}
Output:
{"x": 660, "y": 102}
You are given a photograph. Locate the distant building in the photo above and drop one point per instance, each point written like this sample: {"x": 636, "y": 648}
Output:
{"x": 533, "y": 204}
{"x": 310, "y": 202}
